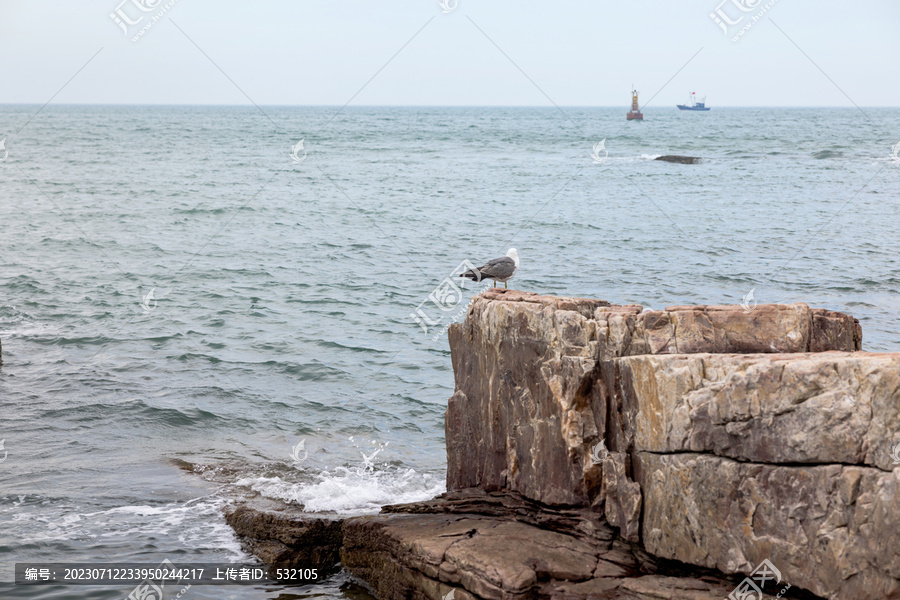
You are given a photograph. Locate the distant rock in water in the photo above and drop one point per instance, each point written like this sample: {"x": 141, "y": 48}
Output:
{"x": 677, "y": 158}
{"x": 827, "y": 154}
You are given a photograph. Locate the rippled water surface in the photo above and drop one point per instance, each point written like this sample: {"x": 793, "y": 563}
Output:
{"x": 282, "y": 291}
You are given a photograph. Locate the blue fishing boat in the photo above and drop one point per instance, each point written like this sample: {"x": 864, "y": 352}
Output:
{"x": 693, "y": 104}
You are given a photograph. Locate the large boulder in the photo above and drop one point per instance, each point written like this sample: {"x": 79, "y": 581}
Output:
{"x": 535, "y": 379}
{"x": 718, "y": 436}
{"x": 831, "y": 407}
{"x": 830, "y": 529}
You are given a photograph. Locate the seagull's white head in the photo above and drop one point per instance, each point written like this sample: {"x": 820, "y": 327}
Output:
{"x": 513, "y": 255}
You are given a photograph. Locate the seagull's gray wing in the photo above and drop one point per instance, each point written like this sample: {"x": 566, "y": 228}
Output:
{"x": 500, "y": 268}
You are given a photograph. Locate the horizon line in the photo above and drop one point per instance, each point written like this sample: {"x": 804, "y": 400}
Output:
{"x": 625, "y": 106}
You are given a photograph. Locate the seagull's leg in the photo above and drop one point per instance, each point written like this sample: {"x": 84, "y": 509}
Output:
{"x": 505, "y": 286}
{"x": 495, "y": 283}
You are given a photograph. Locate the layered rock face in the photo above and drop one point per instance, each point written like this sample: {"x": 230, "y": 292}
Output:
{"x": 536, "y": 379}
{"x": 472, "y": 545}
{"x": 729, "y": 436}
{"x": 598, "y": 452}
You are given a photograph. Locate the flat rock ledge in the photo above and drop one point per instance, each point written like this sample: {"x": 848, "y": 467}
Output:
{"x": 501, "y": 546}
{"x": 478, "y": 545}
{"x": 599, "y": 452}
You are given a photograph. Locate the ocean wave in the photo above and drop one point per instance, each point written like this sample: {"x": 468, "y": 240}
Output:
{"x": 196, "y": 523}
{"x": 48, "y": 336}
{"x": 312, "y": 371}
{"x": 197, "y": 210}
{"x": 10, "y": 315}
{"x": 350, "y": 490}
{"x": 339, "y": 346}
{"x": 135, "y": 409}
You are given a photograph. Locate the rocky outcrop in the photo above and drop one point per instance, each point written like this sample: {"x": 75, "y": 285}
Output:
{"x": 536, "y": 379}
{"x": 283, "y": 536}
{"x": 676, "y": 158}
{"x": 599, "y": 451}
{"x": 718, "y": 436}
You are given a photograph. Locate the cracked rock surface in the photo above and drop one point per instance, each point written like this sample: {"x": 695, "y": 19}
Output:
{"x": 830, "y": 529}
{"x": 601, "y": 452}
{"x": 729, "y": 435}
{"x": 501, "y": 546}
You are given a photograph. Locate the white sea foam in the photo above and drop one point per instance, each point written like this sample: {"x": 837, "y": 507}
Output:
{"x": 196, "y": 523}
{"x": 634, "y": 158}
{"x": 355, "y": 490}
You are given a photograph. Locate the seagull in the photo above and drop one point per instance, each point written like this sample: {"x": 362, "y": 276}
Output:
{"x": 499, "y": 269}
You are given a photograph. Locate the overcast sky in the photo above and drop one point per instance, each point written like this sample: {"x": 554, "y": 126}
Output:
{"x": 583, "y": 53}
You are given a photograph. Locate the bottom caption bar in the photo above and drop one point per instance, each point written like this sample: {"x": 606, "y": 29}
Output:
{"x": 157, "y": 575}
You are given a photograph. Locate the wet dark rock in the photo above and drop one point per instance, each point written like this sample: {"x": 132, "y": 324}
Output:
{"x": 283, "y": 536}
{"x": 675, "y": 158}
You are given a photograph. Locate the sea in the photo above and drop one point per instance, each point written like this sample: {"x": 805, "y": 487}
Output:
{"x": 196, "y": 308}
